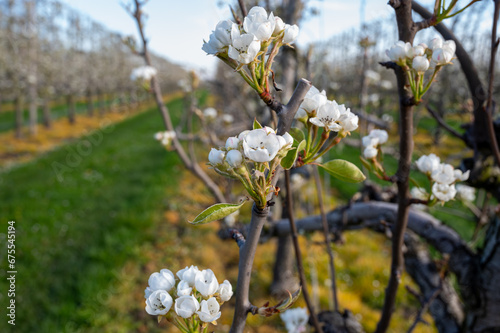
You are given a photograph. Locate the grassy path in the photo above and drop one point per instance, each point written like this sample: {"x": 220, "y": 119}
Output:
{"x": 73, "y": 234}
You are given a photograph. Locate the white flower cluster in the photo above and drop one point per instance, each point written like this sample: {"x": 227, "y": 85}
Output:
{"x": 248, "y": 156}
{"x": 197, "y": 294}
{"x": 372, "y": 142}
{"x": 165, "y": 137}
{"x": 443, "y": 176}
{"x": 258, "y": 145}
{"x": 144, "y": 73}
{"x": 244, "y": 44}
{"x": 422, "y": 57}
{"x": 295, "y": 320}
{"x": 327, "y": 114}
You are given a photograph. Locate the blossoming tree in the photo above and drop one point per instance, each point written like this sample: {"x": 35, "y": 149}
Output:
{"x": 309, "y": 126}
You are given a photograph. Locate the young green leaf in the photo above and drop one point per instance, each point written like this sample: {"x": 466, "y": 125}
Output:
{"x": 288, "y": 161}
{"x": 344, "y": 170}
{"x": 256, "y": 124}
{"x": 216, "y": 212}
{"x": 296, "y": 134}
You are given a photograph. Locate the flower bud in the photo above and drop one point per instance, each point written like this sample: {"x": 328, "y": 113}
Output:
{"x": 232, "y": 142}
{"x": 279, "y": 27}
{"x": 216, "y": 156}
{"x": 234, "y": 158}
{"x": 420, "y": 64}
{"x": 291, "y": 33}
{"x": 370, "y": 152}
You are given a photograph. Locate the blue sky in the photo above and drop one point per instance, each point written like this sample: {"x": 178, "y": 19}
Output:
{"x": 176, "y": 29}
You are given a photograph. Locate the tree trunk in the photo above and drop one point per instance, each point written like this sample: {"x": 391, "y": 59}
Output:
{"x": 483, "y": 311}
{"x": 70, "y": 101}
{"x": 47, "y": 118}
{"x": 19, "y": 115}
{"x": 90, "y": 103}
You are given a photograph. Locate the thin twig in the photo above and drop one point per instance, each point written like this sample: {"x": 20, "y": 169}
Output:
{"x": 298, "y": 254}
{"x": 326, "y": 233}
{"x": 424, "y": 308}
{"x": 243, "y": 8}
{"x": 443, "y": 124}
{"x": 167, "y": 122}
{"x": 490, "y": 104}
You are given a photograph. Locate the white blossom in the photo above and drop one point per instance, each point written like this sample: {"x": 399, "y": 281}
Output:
{"x": 327, "y": 117}
{"x": 347, "y": 119}
{"x": 227, "y": 119}
{"x": 147, "y": 292}
{"x": 186, "y": 306}
{"x": 444, "y": 192}
{"x": 286, "y": 141}
{"x": 206, "y": 283}
{"x": 421, "y": 194}
{"x": 420, "y": 64}
{"x": 295, "y": 320}
{"x": 225, "y": 291}
{"x": 398, "y": 51}
{"x": 381, "y": 135}
{"x": 216, "y": 156}
{"x": 232, "y": 142}
{"x": 220, "y": 37}
{"x": 234, "y": 158}
{"x": 279, "y": 26}
{"x": 259, "y": 24}
{"x": 466, "y": 193}
{"x": 145, "y": 73}
{"x": 164, "y": 280}
{"x": 183, "y": 288}
{"x": 291, "y": 33}
{"x": 428, "y": 163}
{"x": 416, "y": 51}
{"x": 313, "y": 100}
{"x": 188, "y": 274}
{"x": 158, "y": 303}
{"x": 457, "y": 173}
{"x": 444, "y": 174}
{"x": 244, "y": 47}
{"x": 209, "y": 311}
{"x": 210, "y": 113}
{"x": 260, "y": 146}
{"x": 370, "y": 152}
{"x": 442, "y": 52}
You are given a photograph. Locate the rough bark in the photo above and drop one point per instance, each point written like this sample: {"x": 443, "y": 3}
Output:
{"x": 483, "y": 315}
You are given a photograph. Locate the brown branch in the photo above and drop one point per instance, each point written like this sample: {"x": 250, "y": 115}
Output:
{"x": 406, "y": 32}
{"x": 326, "y": 233}
{"x": 424, "y": 308}
{"x": 243, "y": 8}
{"x": 298, "y": 254}
{"x": 444, "y": 125}
{"x": 167, "y": 122}
{"x": 247, "y": 252}
{"x": 490, "y": 105}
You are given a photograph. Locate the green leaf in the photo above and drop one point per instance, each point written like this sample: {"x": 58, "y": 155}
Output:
{"x": 216, "y": 212}
{"x": 344, "y": 170}
{"x": 288, "y": 161}
{"x": 296, "y": 134}
{"x": 367, "y": 164}
{"x": 256, "y": 124}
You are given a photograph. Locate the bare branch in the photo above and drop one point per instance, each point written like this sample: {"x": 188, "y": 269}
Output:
{"x": 298, "y": 254}
{"x": 443, "y": 124}
{"x": 490, "y": 105}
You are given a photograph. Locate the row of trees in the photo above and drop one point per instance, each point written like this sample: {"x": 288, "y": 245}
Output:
{"x": 50, "y": 50}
